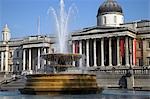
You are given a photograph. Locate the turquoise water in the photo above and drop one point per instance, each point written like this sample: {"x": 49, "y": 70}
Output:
{"x": 106, "y": 94}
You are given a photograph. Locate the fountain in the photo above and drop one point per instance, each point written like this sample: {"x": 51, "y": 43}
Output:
{"x": 62, "y": 20}
{"x": 58, "y": 82}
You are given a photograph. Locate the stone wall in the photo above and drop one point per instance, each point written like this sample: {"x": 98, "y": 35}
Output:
{"x": 111, "y": 80}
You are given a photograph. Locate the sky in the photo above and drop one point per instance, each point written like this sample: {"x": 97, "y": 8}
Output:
{"x": 22, "y": 15}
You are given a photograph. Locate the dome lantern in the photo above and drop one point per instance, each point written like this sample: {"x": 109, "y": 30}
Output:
{"x": 6, "y": 33}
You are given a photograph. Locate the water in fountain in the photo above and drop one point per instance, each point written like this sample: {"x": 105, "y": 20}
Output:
{"x": 62, "y": 26}
{"x": 61, "y": 57}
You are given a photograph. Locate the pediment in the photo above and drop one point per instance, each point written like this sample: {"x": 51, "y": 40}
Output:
{"x": 101, "y": 30}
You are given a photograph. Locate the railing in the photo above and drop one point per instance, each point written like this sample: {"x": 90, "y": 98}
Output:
{"x": 5, "y": 81}
{"x": 8, "y": 80}
{"x": 140, "y": 71}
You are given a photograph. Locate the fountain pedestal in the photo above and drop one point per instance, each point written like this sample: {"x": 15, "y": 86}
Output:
{"x": 52, "y": 84}
{"x": 61, "y": 83}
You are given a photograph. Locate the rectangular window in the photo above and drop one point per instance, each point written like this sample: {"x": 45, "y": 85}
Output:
{"x": 115, "y": 19}
{"x": 17, "y": 53}
{"x": 148, "y": 44}
{"x": 10, "y": 67}
{"x": 148, "y": 60}
{"x": 10, "y": 54}
{"x": 140, "y": 62}
{"x": 140, "y": 44}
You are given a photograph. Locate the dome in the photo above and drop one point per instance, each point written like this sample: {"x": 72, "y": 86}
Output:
{"x": 109, "y": 6}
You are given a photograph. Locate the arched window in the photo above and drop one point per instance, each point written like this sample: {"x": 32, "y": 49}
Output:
{"x": 115, "y": 19}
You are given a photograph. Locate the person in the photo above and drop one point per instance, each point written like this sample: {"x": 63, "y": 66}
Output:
{"x": 14, "y": 76}
{"x": 123, "y": 82}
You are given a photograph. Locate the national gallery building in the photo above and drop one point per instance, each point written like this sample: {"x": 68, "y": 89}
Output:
{"x": 113, "y": 42}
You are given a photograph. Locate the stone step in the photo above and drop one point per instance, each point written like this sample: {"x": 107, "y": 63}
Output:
{"x": 13, "y": 85}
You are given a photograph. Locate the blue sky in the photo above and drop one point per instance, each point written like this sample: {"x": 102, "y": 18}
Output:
{"x": 22, "y": 15}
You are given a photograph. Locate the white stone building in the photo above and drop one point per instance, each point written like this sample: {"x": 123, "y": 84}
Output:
{"x": 17, "y": 55}
{"x": 113, "y": 42}
{"x": 110, "y": 43}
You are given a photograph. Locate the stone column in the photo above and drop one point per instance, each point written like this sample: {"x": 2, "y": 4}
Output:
{"x": 110, "y": 53}
{"x": 118, "y": 52}
{"x": 80, "y": 51}
{"x": 44, "y": 53}
{"x": 24, "y": 59}
{"x": 11, "y": 68}
{"x": 73, "y": 49}
{"x": 30, "y": 59}
{"x": 95, "y": 60}
{"x": 130, "y": 50}
{"x": 49, "y": 51}
{"x": 38, "y": 62}
{"x": 134, "y": 52}
{"x": 127, "y": 51}
{"x": 6, "y": 61}
{"x": 102, "y": 52}
{"x": 2, "y": 61}
{"x": 87, "y": 53}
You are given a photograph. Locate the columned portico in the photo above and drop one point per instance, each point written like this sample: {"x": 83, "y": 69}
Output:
{"x": 32, "y": 58}
{"x": 115, "y": 48}
{"x": 17, "y": 55}
{"x": 87, "y": 52}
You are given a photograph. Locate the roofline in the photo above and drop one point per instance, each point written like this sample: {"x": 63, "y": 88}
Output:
{"x": 137, "y": 21}
{"x": 109, "y": 31}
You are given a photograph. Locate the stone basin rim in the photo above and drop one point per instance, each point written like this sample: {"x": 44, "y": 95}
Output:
{"x": 67, "y": 57}
{"x": 61, "y": 74}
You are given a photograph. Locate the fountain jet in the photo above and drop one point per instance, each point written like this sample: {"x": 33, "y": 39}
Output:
{"x": 62, "y": 20}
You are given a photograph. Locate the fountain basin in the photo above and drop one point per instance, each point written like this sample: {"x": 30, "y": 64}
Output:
{"x": 50, "y": 84}
{"x": 67, "y": 57}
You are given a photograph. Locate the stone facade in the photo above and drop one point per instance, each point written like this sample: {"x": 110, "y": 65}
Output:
{"x": 142, "y": 29}
{"x": 17, "y": 55}
{"x": 113, "y": 42}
